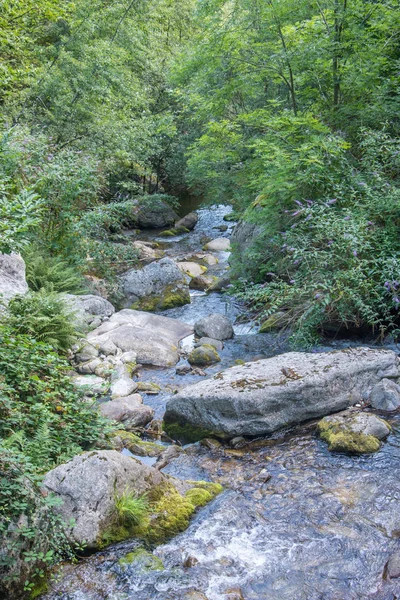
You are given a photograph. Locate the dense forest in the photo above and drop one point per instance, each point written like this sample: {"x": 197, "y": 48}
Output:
{"x": 286, "y": 111}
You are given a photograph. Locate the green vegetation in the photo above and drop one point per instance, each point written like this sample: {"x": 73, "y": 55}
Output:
{"x": 342, "y": 438}
{"x": 131, "y": 510}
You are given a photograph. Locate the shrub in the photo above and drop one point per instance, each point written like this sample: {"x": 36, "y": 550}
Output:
{"x": 45, "y": 317}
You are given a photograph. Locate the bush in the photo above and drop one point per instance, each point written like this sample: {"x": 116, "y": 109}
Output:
{"x": 30, "y": 531}
{"x": 43, "y": 316}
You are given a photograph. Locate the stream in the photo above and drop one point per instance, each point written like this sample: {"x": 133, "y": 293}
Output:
{"x": 294, "y": 522}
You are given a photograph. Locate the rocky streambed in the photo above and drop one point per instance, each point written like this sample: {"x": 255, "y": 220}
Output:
{"x": 294, "y": 521}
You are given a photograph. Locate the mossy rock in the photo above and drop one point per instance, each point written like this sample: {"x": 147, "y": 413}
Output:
{"x": 275, "y": 321}
{"x": 180, "y": 230}
{"x": 204, "y": 356}
{"x": 232, "y": 216}
{"x": 169, "y": 514}
{"x": 144, "y": 559}
{"x": 186, "y": 433}
{"x": 341, "y": 438}
{"x": 40, "y": 586}
{"x": 167, "y": 233}
{"x": 170, "y": 298}
{"x": 137, "y": 446}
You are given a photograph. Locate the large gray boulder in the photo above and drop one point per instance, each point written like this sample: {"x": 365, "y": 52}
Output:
{"x": 12, "y": 277}
{"x": 155, "y": 213}
{"x": 158, "y": 286}
{"x": 153, "y": 338}
{"x": 215, "y": 326}
{"x": 88, "y": 485}
{"x": 261, "y": 397}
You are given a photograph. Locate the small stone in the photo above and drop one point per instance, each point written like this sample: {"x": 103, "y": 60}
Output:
{"x": 237, "y": 441}
{"x": 148, "y": 387}
{"x": 200, "y": 372}
{"x": 86, "y": 353}
{"x": 393, "y": 566}
{"x": 204, "y": 356}
{"x": 218, "y": 345}
{"x": 183, "y": 370}
{"x": 215, "y": 326}
{"x": 233, "y": 594}
{"x": 202, "y": 282}
{"x": 89, "y": 367}
{"x": 218, "y": 245}
{"x": 123, "y": 387}
{"x": 211, "y": 443}
{"x": 129, "y": 357}
{"x": 190, "y": 561}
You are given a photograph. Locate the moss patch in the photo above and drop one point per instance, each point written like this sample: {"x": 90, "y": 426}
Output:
{"x": 169, "y": 514}
{"x": 275, "y": 321}
{"x": 204, "y": 356}
{"x": 343, "y": 439}
{"x": 144, "y": 559}
{"x": 40, "y": 587}
{"x": 186, "y": 433}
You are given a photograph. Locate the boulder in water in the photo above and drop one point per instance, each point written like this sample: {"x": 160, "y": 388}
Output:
{"x": 155, "y": 213}
{"x": 353, "y": 432}
{"x": 158, "y": 286}
{"x": 261, "y": 397}
{"x": 188, "y": 222}
{"x": 204, "y": 356}
{"x": 218, "y": 245}
{"x": 215, "y": 326}
{"x": 385, "y": 395}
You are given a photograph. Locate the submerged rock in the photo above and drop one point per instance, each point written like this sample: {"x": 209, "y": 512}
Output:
{"x": 261, "y": 397}
{"x": 153, "y": 338}
{"x": 353, "y": 432}
{"x": 215, "y": 326}
{"x": 158, "y": 286}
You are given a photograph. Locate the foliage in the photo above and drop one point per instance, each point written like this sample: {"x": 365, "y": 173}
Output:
{"x": 30, "y": 531}
{"x": 41, "y": 413}
{"x": 19, "y": 214}
{"x": 44, "y": 271}
{"x": 45, "y": 317}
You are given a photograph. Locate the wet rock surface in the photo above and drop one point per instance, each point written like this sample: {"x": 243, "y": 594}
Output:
{"x": 215, "y": 326}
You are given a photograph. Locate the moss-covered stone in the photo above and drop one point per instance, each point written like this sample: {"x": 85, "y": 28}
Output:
{"x": 144, "y": 559}
{"x": 198, "y": 496}
{"x": 40, "y": 586}
{"x": 167, "y": 233}
{"x": 186, "y": 433}
{"x": 275, "y": 321}
{"x": 342, "y": 439}
{"x": 137, "y": 446}
{"x": 204, "y": 356}
{"x": 169, "y": 514}
{"x": 171, "y": 297}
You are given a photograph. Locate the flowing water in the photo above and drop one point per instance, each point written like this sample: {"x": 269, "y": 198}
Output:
{"x": 294, "y": 522}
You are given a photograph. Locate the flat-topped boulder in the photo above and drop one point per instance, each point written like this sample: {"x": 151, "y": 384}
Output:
{"x": 153, "y": 338}
{"x": 261, "y": 397}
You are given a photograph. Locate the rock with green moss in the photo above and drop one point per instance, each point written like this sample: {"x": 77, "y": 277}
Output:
{"x": 353, "y": 432}
{"x": 143, "y": 560}
{"x": 275, "y": 321}
{"x": 204, "y": 356}
{"x": 185, "y": 432}
{"x": 167, "y": 233}
{"x": 158, "y": 286}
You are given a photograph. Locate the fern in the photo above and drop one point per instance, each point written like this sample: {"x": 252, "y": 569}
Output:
{"x": 51, "y": 273}
{"x": 44, "y": 316}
